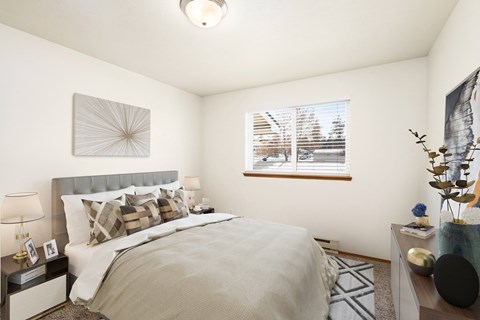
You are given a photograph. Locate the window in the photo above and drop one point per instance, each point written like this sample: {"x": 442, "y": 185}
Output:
{"x": 305, "y": 140}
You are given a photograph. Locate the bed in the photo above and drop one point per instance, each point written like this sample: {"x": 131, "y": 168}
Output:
{"x": 213, "y": 266}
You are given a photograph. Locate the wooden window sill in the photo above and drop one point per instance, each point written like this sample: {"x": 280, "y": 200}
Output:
{"x": 295, "y": 176}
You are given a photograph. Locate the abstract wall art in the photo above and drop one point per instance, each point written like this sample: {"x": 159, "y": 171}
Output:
{"x": 107, "y": 128}
{"x": 462, "y": 128}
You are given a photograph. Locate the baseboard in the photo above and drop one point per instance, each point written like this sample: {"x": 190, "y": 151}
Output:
{"x": 365, "y": 257}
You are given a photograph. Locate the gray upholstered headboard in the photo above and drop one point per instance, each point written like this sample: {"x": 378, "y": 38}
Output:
{"x": 93, "y": 184}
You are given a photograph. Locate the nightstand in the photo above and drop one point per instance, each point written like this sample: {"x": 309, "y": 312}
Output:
{"x": 37, "y": 295}
{"x": 203, "y": 211}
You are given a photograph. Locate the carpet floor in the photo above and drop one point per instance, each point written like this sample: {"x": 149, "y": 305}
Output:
{"x": 383, "y": 309}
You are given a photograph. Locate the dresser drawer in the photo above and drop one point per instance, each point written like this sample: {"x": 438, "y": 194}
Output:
{"x": 35, "y": 300}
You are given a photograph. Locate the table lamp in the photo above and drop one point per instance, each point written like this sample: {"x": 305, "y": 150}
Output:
{"x": 191, "y": 184}
{"x": 19, "y": 208}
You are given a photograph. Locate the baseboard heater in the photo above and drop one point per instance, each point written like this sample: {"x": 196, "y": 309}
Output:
{"x": 330, "y": 246}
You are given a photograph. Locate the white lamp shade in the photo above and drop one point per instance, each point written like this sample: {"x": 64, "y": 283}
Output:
{"x": 205, "y": 13}
{"x": 21, "y": 207}
{"x": 191, "y": 183}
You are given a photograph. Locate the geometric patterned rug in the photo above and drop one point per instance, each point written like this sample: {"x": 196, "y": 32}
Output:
{"x": 353, "y": 296}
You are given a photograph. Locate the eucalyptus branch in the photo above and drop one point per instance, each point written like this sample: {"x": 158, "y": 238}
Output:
{"x": 473, "y": 148}
{"x": 441, "y": 180}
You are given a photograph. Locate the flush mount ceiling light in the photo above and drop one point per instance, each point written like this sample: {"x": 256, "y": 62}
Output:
{"x": 204, "y": 13}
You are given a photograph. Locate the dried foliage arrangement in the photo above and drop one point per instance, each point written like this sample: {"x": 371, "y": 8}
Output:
{"x": 457, "y": 191}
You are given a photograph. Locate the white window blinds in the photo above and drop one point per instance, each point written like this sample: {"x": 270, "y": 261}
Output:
{"x": 306, "y": 140}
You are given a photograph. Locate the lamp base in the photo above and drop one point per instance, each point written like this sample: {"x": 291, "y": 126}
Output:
{"x": 191, "y": 200}
{"x": 20, "y": 255}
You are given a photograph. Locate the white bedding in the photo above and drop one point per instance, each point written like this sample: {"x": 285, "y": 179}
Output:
{"x": 90, "y": 264}
{"x": 78, "y": 257}
{"x": 240, "y": 269}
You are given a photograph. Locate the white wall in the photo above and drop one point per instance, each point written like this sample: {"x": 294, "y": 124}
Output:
{"x": 38, "y": 79}
{"x": 37, "y": 82}
{"x": 454, "y": 56}
{"x": 386, "y": 100}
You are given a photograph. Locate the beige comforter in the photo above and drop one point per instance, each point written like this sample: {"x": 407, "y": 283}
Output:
{"x": 237, "y": 269}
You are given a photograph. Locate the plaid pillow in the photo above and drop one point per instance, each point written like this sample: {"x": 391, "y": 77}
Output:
{"x": 138, "y": 200}
{"x": 105, "y": 220}
{"x": 170, "y": 209}
{"x": 171, "y": 194}
{"x": 141, "y": 217}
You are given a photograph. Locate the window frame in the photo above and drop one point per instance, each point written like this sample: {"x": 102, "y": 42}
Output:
{"x": 294, "y": 173}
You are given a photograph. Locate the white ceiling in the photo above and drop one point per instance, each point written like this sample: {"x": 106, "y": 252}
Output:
{"x": 258, "y": 42}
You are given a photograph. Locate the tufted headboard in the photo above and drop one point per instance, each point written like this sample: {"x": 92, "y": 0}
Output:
{"x": 93, "y": 184}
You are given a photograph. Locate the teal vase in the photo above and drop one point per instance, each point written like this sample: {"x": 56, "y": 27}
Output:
{"x": 462, "y": 240}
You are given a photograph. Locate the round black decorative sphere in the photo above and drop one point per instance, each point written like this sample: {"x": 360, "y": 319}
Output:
{"x": 456, "y": 280}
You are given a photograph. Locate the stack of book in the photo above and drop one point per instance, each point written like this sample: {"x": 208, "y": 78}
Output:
{"x": 414, "y": 230}
{"x": 22, "y": 277}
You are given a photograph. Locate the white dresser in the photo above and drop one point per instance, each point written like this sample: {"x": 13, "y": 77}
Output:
{"x": 415, "y": 296}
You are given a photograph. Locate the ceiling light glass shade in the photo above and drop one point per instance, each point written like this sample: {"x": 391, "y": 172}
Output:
{"x": 21, "y": 207}
{"x": 204, "y": 13}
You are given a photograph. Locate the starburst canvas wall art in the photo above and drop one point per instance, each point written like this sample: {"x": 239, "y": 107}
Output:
{"x": 107, "y": 128}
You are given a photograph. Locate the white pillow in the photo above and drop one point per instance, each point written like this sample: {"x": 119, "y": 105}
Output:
{"x": 78, "y": 226}
{"x": 156, "y": 189}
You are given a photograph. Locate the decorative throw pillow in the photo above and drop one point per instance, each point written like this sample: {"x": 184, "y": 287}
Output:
{"x": 141, "y": 217}
{"x": 105, "y": 220}
{"x": 176, "y": 194}
{"x": 138, "y": 200}
{"x": 173, "y": 193}
{"x": 172, "y": 204}
{"x": 153, "y": 190}
{"x": 78, "y": 226}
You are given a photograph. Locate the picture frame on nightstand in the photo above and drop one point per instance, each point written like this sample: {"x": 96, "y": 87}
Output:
{"x": 50, "y": 249}
{"x": 31, "y": 251}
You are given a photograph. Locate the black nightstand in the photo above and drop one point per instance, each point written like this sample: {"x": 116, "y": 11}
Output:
{"x": 203, "y": 211}
{"x": 37, "y": 295}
